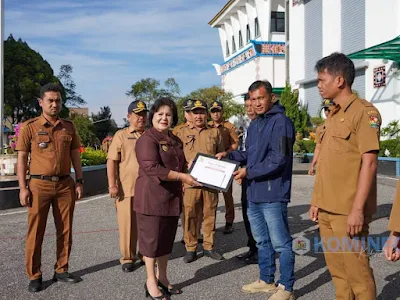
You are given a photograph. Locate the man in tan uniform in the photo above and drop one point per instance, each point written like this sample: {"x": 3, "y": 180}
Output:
{"x": 345, "y": 190}
{"x": 199, "y": 138}
{"x": 187, "y": 107}
{"x": 122, "y": 172}
{"x": 392, "y": 246}
{"x": 327, "y": 106}
{"x": 53, "y": 144}
{"x": 231, "y": 143}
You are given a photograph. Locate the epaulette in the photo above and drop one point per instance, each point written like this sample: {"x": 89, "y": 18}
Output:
{"x": 27, "y": 122}
{"x": 178, "y": 128}
{"x": 365, "y": 103}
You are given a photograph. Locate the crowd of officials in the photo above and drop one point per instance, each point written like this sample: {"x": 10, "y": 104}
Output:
{"x": 149, "y": 181}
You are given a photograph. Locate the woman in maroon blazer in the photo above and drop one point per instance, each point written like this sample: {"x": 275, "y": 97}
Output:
{"x": 158, "y": 194}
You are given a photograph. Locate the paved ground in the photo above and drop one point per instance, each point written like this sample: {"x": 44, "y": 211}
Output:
{"x": 95, "y": 256}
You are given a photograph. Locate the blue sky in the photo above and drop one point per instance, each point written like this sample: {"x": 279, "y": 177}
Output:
{"x": 112, "y": 44}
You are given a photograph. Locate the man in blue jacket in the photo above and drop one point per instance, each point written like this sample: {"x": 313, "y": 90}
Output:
{"x": 269, "y": 162}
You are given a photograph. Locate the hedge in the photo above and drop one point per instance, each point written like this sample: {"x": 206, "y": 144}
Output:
{"x": 392, "y": 145}
{"x": 91, "y": 157}
{"x": 308, "y": 146}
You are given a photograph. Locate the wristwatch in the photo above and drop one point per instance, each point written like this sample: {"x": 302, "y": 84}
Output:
{"x": 80, "y": 180}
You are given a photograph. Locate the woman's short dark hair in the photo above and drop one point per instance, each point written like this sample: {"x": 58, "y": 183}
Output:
{"x": 164, "y": 102}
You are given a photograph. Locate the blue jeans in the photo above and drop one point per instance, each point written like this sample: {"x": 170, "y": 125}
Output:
{"x": 270, "y": 228}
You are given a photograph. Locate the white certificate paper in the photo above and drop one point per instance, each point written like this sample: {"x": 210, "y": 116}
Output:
{"x": 212, "y": 172}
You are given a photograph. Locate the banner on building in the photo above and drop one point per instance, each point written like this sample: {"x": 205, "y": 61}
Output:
{"x": 379, "y": 76}
{"x": 296, "y": 2}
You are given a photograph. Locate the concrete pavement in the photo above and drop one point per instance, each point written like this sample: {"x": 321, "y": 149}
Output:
{"x": 95, "y": 256}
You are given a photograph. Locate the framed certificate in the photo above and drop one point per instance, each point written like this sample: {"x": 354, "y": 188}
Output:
{"x": 213, "y": 173}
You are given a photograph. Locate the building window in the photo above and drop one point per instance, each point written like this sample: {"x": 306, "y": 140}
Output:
{"x": 248, "y": 37}
{"x": 240, "y": 39}
{"x": 227, "y": 49}
{"x": 233, "y": 45}
{"x": 277, "y": 21}
{"x": 256, "y": 28}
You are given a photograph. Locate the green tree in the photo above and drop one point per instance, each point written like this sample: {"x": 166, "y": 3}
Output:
{"x": 392, "y": 130}
{"x": 71, "y": 97}
{"x": 25, "y": 71}
{"x": 294, "y": 110}
{"x": 149, "y": 89}
{"x": 104, "y": 125}
{"x": 231, "y": 107}
{"x": 85, "y": 129}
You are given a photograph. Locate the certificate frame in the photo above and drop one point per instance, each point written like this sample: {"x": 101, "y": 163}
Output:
{"x": 209, "y": 184}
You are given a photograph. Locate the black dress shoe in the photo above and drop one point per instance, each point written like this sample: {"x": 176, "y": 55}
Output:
{"x": 228, "y": 228}
{"x": 162, "y": 297}
{"x": 213, "y": 254}
{"x": 252, "y": 260}
{"x": 65, "y": 277}
{"x": 127, "y": 267}
{"x": 190, "y": 256}
{"x": 246, "y": 255}
{"x": 35, "y": 285}
{"x": 169, "y": 291}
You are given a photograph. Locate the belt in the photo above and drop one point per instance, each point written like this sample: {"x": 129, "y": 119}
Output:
{"x": 50, "y": 178}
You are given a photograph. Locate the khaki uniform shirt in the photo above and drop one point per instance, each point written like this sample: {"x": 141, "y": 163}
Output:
{"x": 50, "y": 145}
{"x": 351, "y": 131}
{"x": 177, "y": 128}
{"x": 122, "y": 150}
{"x": 228, "y": 133}
{"x": 394, "y": 221}
{"x": 319, "y": 132}
{"x": 207, "y": 141}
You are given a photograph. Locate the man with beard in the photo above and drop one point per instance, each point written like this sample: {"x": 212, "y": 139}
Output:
{"x": 53, "y": 144}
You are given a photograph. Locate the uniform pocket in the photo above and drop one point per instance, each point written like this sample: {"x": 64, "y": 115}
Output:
{"x": 211, "y": 147}
{"x": 42, "y": 143}
{"x": 340, "y": 139}
{"x": 65, "y": 142}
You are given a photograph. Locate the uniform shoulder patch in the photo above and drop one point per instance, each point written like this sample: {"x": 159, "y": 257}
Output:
{"x": 374, "y": 121}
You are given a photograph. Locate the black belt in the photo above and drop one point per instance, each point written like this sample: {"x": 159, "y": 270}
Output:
{"x": 50, "y": 178}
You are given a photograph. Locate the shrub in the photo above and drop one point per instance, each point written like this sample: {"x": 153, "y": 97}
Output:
{"x": 91, "y": 157}
{"x": 304, "y": 146}
{"x": 393, "y": 146}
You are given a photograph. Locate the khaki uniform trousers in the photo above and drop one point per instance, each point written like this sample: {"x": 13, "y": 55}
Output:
{"x": 127, "y": 229}
{"x": 347, "y": 259}
{"x": 196, "y": 200}
{"x": 229, "y": 206}
{"x": 61, "y": 196}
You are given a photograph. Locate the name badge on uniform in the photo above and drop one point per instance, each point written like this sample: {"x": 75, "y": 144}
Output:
{"x": 42, "y": 133}
{"x": 164, "y": 145}
{"x": 43, "y": 145}
{"x": 131, "y": 138}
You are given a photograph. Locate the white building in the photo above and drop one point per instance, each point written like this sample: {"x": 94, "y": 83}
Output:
{"x": 252, "y": 35}
{"x": 357, "y": 28}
